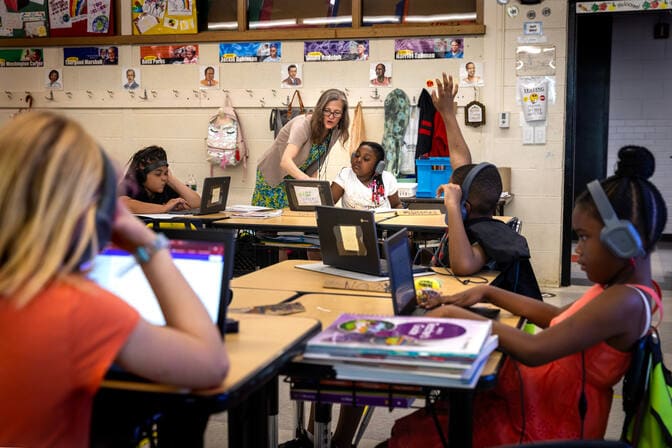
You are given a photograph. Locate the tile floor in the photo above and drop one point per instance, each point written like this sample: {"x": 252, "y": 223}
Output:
{"x": 379, "y": 427}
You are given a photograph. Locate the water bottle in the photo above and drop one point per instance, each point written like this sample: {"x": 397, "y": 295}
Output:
{"x": 191, "y": 182}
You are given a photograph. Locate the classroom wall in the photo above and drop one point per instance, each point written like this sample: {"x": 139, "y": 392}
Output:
{"x": 640, "y": 98}
{"x": 175, "y": 113}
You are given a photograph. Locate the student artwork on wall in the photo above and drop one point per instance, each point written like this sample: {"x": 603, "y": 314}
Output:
{"x": 80, "y": 17}
{"x": 53, "y": 79}
{"x": 23, "y": 18}
{"x": 336, "y": 50}
{"x": 21, "y": 57}
{"x": 291, "y": 76}
{"x": 90, "y": 56}
{"x": 250, "y": 51}
{"x": 429, "y": 48}
{"x": 471, "y": 74}
{"x": 164, "y": 16}
{"x": 169, "y": 54}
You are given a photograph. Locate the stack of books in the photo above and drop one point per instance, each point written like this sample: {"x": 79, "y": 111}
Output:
{"x": 404, "y": 349}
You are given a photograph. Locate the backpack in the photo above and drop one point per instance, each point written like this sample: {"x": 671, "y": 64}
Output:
{"x": 225, "y": 145}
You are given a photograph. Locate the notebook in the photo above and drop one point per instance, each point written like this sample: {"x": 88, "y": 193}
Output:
{"x": 303, "y": 195}
{"x": 213, "y": 199}
{"x": 204, "y": 257}
{"x": 349, "y": 242}
{"x": 402, "y": 284}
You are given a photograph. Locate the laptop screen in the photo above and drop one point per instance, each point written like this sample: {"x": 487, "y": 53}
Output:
{"x": 215, "y": 193}
{"x": 203, "y": 257}
{"x": 402, "y": 284}
{"x": 305, "y": 194}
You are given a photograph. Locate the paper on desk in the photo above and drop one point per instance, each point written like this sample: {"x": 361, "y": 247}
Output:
{"x": 246, "y": 208}
{"x": 160, "y": 215}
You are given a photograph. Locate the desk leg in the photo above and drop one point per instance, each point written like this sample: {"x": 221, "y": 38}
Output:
{"x": 460, "y": 423}
{"x": 322, "y": 425}
{"x": 273, "y": 409}
{"x": 245, "y": 429}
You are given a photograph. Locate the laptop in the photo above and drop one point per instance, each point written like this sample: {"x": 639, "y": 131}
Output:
{"x": 349, "y": 241}
{"x": 402, "y": 284}
{"x": 204, "y": 257}
{"x": 303, "y": 195}
{"x": 213, "y": 199}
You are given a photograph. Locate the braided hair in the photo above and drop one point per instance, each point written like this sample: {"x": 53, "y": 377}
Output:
{"x": 377, "y": 185}
{"x": 632, "y": 195}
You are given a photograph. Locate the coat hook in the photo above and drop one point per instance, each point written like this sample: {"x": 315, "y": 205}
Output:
{"x": 111, "y": 93}
{"x": 286, "y": 102}
{"x": 131, "y": 93}
{"x": 69, "y": 95}
{"x": 375, "y": 95}
{"x": 90, "y": 93}
{"x": 176, "y": 93}
{"x": 250, "y": 92}
{"x": 51, "y": 96}
{"x": 154, "y": 93}
{"x": 197, "y": 93}
{"x": 9, "y": 94}
{"x": 144, "y": 96}
{"x": 275, "y": 92}
{"x": 226, "y": 91}
{"x": 347, "y": 91}
{"x": 262, "y": 102}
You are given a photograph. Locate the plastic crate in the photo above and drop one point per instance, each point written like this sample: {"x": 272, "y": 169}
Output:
{"x": 432, "y": 172}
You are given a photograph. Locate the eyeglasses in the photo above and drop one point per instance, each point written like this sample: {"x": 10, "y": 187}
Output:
{"x": 332, "y": 113}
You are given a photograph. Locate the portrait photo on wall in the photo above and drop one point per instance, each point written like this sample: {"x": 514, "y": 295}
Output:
{"x": 290, "y": 76}
{"x": 471, "y": 74}
{"x": 209, "y": 76}
{"x": 130, "y": 78}
{"x": 380, "y": 74}
{"x": 54, "y": 79}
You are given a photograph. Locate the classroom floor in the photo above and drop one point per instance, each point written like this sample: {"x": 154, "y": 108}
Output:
{"x": 382, "y": 421}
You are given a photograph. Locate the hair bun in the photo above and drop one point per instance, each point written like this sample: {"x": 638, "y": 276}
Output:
{"x": 635, "y": 161}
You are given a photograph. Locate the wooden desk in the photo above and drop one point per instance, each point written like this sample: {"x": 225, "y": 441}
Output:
{"x": 244, "y": 297}
{"x": 423, "y": 223}
{"x": 197, "y": 220}
{"x": 276, "y": 223}
{"x": 263, "y": 345}
{"x": 284, "y": 276}
{"x": 326, "y": 308}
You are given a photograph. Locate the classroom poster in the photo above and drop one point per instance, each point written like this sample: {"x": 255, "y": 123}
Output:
{"x": 23, "y": 18}
{"x": 429, "y": 48}
{"x": 80, "y": 17}
{"x": 169, "y": 54}
{"x": 336, "y": 50}
{"x": 250, "y": 51}
{"x": 21, "y": 57}
{"x": 77, "y": 56}
{"x": 164, "y": 16}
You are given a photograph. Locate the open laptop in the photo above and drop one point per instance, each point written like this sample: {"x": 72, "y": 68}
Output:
{"x": 204, "y": 257}
{"x": 305, "y": 194}
{"x": 349, "y": 244}
{"x": 213, "y": 199}
{"x": 402, "y": 284}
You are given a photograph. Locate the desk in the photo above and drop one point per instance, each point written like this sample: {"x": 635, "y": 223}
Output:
{"x": 327, "y": 308}
{"x": 422, "y": 223}
{"x": 206, "y": 220}
{"x": 244, "y": 297}
{"x": 284, "y": 276}
{"x": 437, "y": 203}
{"x": 275, "y": 224}
{"x": 263, "y": 345}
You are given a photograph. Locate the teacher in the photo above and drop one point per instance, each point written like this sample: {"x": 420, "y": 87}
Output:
{"x": 301, "y": 148}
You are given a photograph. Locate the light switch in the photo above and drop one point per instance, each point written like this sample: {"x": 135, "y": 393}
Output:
{"x": 503, "y": 120}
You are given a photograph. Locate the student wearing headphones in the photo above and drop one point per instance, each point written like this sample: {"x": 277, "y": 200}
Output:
{"x": 151, "y": 186}
{"x": 366, "y": 184}
{"x": 59, "y": 331}
{"x": 557, "y": 383}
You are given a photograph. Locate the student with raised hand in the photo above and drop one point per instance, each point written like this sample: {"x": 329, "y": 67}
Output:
{"x": 443, "y": 98}
{"x": 59, "y": 331}
{"x": 584, "y": 348}
{"x": 301, "y": 148}
{"x": 151, "y": 187}
{"x": 366, "y": 184}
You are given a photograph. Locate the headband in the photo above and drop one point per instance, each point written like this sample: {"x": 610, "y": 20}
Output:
{"x": 158, "y": 164}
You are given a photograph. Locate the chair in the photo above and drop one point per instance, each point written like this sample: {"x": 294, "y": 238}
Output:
{"x": 158, "y": 225}
{"x": 515, "y": 223}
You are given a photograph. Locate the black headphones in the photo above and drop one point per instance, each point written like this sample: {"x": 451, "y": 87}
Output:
{"x": 619, "y": 235}
{"x": 141, "y": 173}
{"x": 105, "y": 210}
{"x": 466, "y": 185}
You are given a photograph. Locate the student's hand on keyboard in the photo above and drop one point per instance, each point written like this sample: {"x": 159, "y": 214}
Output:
{"x": 418, "y": 212}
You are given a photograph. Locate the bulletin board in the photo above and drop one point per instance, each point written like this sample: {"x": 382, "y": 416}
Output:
{"x": 23, "y": 18}
{"x": 81, "y": 17}
{"x": 164, "y": 17}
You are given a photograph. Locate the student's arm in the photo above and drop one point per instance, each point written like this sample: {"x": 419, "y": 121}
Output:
{"x": 192, "y": 198}
{"x": 465, "y": 258}
{"x": 188, "y": 351}
{"x": 395, "y": 202}
{"x": 444, "y": 98}
{"x": 287, "y": 162}
{"x": 136, "y": 206}
{"x": 336, "y": 192}
{"x": 616, "y": 316}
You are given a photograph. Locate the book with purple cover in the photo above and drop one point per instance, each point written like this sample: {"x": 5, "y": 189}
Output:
{"x": 416, "y": 337}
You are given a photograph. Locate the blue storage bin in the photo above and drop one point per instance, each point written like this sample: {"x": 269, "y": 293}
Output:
{"x": 432, "y": 172}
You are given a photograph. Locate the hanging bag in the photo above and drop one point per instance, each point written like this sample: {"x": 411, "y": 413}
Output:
{"x": 225, "y": 145}
{"x": 280, "y": 117}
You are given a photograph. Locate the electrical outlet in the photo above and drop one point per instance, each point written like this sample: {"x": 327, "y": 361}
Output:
{"x": 503, "y": 120}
